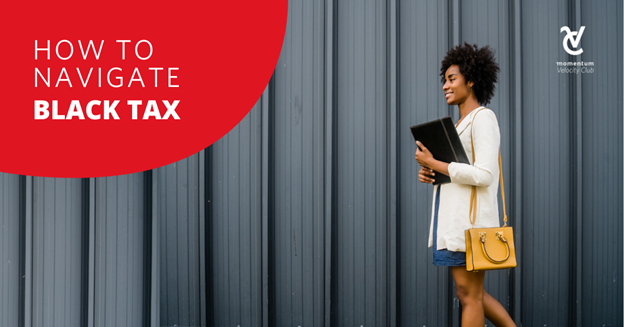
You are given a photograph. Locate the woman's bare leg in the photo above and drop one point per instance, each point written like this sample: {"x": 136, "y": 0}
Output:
{"x": 495, "y": 312}
{"x": 470, "y": 292}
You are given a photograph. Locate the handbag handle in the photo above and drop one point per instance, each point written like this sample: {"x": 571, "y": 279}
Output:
{"x": 472, "y": 215}
{"x": 499, "y": 236}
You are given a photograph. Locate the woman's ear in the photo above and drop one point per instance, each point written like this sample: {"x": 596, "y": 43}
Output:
{"x": 470, "y": 84}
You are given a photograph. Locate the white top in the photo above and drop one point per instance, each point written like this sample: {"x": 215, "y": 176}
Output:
{"x": 453, "y": 213}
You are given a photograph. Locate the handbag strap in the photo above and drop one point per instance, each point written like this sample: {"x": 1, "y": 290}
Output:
{"x": 472, "y": 215}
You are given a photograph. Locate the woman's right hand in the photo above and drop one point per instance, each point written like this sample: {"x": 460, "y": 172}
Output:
{"x": 425, "y": 175}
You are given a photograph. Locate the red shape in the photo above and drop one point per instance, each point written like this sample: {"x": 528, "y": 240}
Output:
{"x": 224, "y": 52}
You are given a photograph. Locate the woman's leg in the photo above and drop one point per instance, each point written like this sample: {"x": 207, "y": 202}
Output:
{"x": 495, "y": 312}
{"x": 470, "y": 292}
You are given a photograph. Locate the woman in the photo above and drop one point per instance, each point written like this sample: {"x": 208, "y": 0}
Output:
{"x": 468, "y": 74}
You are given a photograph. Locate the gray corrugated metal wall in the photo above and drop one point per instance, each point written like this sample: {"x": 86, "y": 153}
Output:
{"x": 420, "y": 100}
{"x": 361, "y": 181}
{"x": 179, "y": 238}
{"x": 297, "y": 160}
{"x": 600, "y": 254}
{"x": 235, "y": 219}
{"x": 548, "y": 221}
{"x": 309, "y": 211}
{"x": 56, "y": 251}
{"x": 118, "y": 272}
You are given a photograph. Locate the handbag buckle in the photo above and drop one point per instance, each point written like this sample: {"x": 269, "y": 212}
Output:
{"x": 482, "y": 236}
{"x": 499, "y": 236}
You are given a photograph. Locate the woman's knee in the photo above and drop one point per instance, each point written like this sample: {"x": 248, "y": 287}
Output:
{"x": 469, "y": 285}
{"x": 469, "y": 294}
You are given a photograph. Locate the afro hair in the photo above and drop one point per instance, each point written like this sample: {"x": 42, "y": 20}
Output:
{"x": 477, "y": 66}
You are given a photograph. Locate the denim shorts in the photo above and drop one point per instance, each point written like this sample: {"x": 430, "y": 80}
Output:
{"x": 444, "y": 257}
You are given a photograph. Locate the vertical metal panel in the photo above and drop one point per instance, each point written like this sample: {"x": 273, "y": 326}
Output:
{"x": 546, "y": 160}
{"x": 361, "y": 179}
{"x": 393, "y": 240}
{"x": 236, "y": 176}
{"x": 424, "y": 297}
{"x": 515, "y": 195}
{"x": 202, "y": 237}
{"x": 602, "y": 164}
{"x": 119, "y": 251}
{"x": 203, "y": 259}
{"x": 151, "y": 272}
{"x": 178, "y": 219}
{"x": 486, "y": 22}
{"x": 85, "y": 238}
{"x": 26, "y": 207}
{"x": 576, "y": 123}
{"x": 91, "y": 257}
{"x": 57, "y": 234}
{"x": 455, "y": 36}
{"x": 299, "y": 164}
{"x": 267, "y": 229}
{"x": 9, "y": 249}
{"x": 149, "y": 249}
{"x": 330, "y": 159}
{"x": 209, "y": 245}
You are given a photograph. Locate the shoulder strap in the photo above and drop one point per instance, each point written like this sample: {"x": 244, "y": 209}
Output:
{"x": 473, "y": 194}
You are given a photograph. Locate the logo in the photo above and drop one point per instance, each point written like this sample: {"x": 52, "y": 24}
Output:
{"x": 574, "y": 41}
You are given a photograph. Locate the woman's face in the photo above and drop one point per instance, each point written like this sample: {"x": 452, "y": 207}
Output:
{"x": 456, "y": 90}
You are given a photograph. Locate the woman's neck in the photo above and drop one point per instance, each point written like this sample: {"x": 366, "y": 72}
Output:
{"x": 467, "y": 107}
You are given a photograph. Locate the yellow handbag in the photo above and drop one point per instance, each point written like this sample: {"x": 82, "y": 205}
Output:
{"x": 489, "y": 248}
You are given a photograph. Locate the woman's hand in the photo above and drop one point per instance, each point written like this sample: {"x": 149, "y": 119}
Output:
{"x": 429, "y": 164}
{"x": 425, "y": 175}
{"x": 423, "y": 157}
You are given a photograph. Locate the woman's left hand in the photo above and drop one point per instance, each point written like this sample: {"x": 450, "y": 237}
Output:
{"x": 423, "y": 157}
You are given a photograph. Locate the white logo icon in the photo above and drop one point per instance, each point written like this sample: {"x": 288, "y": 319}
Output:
{"x": 575, "y": 41}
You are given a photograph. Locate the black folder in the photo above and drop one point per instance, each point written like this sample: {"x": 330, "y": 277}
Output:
{"x": 442, "y": 140}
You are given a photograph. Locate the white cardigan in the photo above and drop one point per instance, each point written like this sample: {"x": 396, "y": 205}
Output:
{"x": 454, "y": 207}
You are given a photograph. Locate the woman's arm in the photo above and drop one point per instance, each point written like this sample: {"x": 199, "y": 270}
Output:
{"x": 486, "y": 145}
{"x": 486, "y": 137}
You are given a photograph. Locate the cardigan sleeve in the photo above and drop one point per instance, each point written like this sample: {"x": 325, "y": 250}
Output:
{"x": 484, "y": 169}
